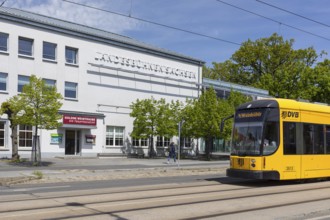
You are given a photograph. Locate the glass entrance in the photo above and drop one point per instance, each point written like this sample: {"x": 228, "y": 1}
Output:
{"x": 72, "y": 142}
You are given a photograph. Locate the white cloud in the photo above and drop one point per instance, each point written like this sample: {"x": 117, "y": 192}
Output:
{"x": 80, "y": 14}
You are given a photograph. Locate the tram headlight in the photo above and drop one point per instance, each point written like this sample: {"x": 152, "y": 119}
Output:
{"x": 253, "y": 163}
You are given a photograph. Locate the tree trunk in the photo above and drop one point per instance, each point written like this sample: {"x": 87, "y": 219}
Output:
{"x": 208, "y": 147}
{"x": 36, "y": 152}
{"x": 151, "y": 147}
{"x": 14, "y": 144}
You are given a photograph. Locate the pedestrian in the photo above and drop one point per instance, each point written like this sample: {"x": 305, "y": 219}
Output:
{"x": 171, "y": 153}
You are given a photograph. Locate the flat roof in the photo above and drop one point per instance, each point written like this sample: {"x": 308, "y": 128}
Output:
{"x": 70, "y": 28}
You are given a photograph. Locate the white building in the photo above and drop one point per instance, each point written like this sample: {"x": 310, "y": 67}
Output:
{"x": 99, "y": 75}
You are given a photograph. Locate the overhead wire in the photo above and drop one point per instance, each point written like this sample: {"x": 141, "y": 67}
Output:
{"x": 3, "y": 3}
{"x": 273, "y": 20}
{"x": 154, "y": 23}
{"x": 293, "y": 13}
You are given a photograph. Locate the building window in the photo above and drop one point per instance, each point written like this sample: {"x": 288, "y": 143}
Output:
{"x": 70, "y": 90}
{"x": 3, "y": 81}
{"x": 114, "y": 136}
{"x": 24, "y": 136}
{"x": 25, "y": 46}
{"x": 135, "y": 142}
{"x": 71, "y": 55}
{"x": 22, "y": 81}
{"x": 185, "y": 141}
{"x": 162, "y": 142}
{"x": 49, "y": 51}
{"x": 4, "y": 42}
{"x": 2, "y": 134}
{"x": 50, "y": 82}
{"x": 222, "y": 94}
{"x": 166, "y": 142}
{"x": 143, "y": 142}
{"x": 159, "y": 142}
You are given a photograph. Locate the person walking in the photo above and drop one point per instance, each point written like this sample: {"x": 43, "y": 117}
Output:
{"x": 171, "y": 153}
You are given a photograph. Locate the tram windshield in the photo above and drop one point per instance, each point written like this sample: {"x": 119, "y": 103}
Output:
{"x": 247, "y": 139}
{"x": 252, "y": 138}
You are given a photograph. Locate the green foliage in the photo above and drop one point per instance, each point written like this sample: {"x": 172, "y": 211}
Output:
{"x": 321, "y": 81}
{"x": 145, "y": 115}
{"x": 202, "y": 117}
{"x": 11, "y": 108}
{"x": 155, "y": 118}
{"x": 272, "y": 64}
{"x": 228, "y": 108}
{"x": 38, "y": 174}
{"x": 39, "y": 104}
{"x": 208, "y": 117}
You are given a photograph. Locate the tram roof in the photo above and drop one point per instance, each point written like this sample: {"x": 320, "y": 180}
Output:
{"x": 287, "y": 104}
{"x": 303, "y": 105}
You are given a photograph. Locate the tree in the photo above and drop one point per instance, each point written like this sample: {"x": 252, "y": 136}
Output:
{"x": 39, "y": 104}
{"x": 144, "y": 124}
{"x": 271, "y": 64}
{"x": 203, "y": 117}
{"x": 207, "y": 117}
{"x": 321, "y": 81}
{"x": 11, "y": 109}
{"x": 228, "y": 107}
{"x": 154, "y": 118}
{"x": 167, "y": 118}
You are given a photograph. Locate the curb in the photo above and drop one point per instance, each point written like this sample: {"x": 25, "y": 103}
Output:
{"x": 7, "y": 181}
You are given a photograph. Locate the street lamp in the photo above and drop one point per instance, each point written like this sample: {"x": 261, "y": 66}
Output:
{"x": 179, "y": 144}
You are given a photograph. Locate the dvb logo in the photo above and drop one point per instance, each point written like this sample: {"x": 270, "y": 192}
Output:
{"x": 290, "y": 114}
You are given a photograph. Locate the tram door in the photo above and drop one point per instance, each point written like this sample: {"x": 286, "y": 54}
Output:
{"x": 72, "y": 142}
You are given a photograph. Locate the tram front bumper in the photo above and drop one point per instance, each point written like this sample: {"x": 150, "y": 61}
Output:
{"x": 248, "y": 174}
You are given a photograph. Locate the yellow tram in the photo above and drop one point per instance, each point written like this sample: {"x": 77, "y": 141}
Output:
{"x": 280, "y": 139}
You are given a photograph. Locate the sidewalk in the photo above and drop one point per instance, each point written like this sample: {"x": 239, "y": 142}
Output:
{"x": 79, "y": 168}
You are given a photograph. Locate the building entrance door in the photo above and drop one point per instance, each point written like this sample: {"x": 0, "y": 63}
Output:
{"x": 72, "y": 142}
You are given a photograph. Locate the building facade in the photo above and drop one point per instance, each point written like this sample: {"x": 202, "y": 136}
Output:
{"x": 99, "y": 75}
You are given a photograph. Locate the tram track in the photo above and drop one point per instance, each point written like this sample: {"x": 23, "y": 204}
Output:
{"x": 168, "y": 197}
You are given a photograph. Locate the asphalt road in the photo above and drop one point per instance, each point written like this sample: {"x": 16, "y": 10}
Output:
{"x": 184, "y": 197}
{"x": 102, "y": 184}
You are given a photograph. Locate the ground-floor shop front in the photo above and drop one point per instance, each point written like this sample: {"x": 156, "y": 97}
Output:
{"x": 93, "y": 134}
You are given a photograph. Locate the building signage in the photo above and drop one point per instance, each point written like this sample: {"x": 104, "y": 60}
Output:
{"x": 56, "y": 138}
{"x": 142, "y": 65}
{"x": 79, "y": 120}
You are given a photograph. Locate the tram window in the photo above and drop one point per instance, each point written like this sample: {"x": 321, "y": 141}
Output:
{"x": 327, "y": 130}
{"x": 313, "y": 139}
{"x": 270, "y": 138}
{"x": 289, "y": 138}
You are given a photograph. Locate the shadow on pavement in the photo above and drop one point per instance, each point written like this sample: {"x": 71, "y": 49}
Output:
{"x": 26, "y": 163}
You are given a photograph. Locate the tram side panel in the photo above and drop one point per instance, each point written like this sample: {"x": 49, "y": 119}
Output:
{"x": 315, "y": 127}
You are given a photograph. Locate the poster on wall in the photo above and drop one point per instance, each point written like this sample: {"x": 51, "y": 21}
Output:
{"x": 56, "y": 138}
{"x": 90, "y": 139}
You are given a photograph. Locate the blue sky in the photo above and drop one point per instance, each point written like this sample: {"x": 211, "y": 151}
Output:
{"x": 208, "y": 17}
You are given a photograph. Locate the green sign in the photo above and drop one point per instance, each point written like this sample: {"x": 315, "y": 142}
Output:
{"x": 56, "y": 138}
